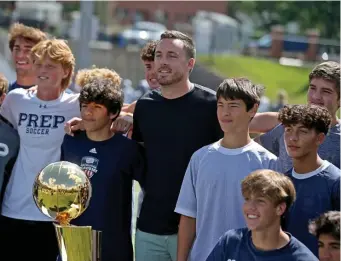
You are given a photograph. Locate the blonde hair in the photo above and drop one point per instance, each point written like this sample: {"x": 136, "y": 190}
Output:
{"x": 85, "y": 76}
{"x": 270, "y": 184}
{"x": 3, "y": 84}
{"x": 58, "y": 51}
{"x": 31, "y": 34}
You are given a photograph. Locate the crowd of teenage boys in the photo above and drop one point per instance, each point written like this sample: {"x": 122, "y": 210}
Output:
{"x": 209, "y": 192}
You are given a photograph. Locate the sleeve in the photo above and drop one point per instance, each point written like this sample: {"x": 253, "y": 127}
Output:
{"x": 139, "y": 165}
{"x": 6, "y": 109}
{"x": 336, "y": 195}
{"x": 270, "y": 140}
{"x": 137, "y": 136}
{"x": 62, "y": 148}
{"x": 219, "y": 252}
{"x": 187, "y": 200}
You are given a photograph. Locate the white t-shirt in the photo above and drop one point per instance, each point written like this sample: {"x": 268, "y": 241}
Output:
{"x": 40, "y": 125}
{"x": 211, "y": 191}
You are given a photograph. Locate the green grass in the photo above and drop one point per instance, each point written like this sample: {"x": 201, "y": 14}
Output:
{"x": 271, "y": 74}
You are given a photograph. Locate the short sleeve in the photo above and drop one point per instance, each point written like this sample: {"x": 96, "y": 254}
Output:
{"x": 6, "y": 109}
{"x": 270, "y": 140}
{"x": 137, "y": 136}
{"x": 336, "y": 195}
{"x": 187, "y": 200}
{"x": 219, "y": 252}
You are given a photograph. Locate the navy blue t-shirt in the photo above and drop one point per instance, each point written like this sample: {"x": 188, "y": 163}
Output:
{"x": 316, "y": 193}
{"x": 111, "y": 166}
{"x": 237, "y": 245}
{"x": 15, "y": 85}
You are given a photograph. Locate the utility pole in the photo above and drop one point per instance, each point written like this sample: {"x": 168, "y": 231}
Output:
{"x": 84, "y": 54}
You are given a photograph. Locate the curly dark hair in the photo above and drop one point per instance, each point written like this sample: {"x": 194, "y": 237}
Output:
{"x": 310, "y": 116}
{"x": 327, "y": 223}
{"x": 329, "y": 71}
{"x": 148, "y": 51}
{"x": 104, "y": 92}
{"x": 240, "y": 88}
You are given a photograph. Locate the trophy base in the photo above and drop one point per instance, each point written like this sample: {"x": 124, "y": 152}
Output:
{"x": 78, "y": 243}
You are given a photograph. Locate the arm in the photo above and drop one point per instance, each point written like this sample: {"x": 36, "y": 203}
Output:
{"x": 187, "y": 207}
{"x": 186, "y": 236}
{"x": 123, "y": 123}
{"x": 129, "y": 107}
{"x": 263, "y": 122}
{"x": 137, "y": 135}
{"x": 139, "y": 169}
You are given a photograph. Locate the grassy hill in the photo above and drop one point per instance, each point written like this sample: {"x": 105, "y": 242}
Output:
{"x": 271, "y": 74}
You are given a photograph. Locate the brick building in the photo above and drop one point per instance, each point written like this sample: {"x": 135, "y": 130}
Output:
{"x": 169, "y": 13}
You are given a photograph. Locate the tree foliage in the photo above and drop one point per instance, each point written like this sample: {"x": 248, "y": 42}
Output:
{"x": 323, "y": 15}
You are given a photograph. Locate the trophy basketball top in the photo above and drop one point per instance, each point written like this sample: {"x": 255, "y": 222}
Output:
{"x": 62, "y": 191}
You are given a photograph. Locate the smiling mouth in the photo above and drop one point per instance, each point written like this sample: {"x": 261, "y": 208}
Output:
{"x": 43, "y": 77}
{"x": 22, "y": 63}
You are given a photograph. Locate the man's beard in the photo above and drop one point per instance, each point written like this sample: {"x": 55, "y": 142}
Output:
{"x": 177, "y": 77}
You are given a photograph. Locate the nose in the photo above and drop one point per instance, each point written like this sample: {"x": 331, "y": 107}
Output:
{"x": 324, "y": 255}
{"x": 316, "y": 96}
{"x": 250, "y": 205}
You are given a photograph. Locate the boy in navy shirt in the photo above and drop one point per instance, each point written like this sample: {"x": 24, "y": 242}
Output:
{"x": 111, "y": 161}
{"x": 326, "y": 228}
{"x": 268, "y": 195}
{"x": 316, "y": 181}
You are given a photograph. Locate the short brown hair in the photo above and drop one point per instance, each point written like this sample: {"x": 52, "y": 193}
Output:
{"x": 148, "y": 51}
{"x": 329, "y": 71}
{"x": 310, "y": 116}
{"x": 240, "y": 88}
{"x": 327, "y": 223}
{"x": 85, "y": 76}
{"x": 31, "y": 34}
{"x": 58, "y": 51}
{"x": 188, "y": 41}
{"x": 270, "y": 184}
{"x": 3, "y": 84}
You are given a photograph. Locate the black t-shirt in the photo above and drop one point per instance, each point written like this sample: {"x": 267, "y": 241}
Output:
{"x": 172, "y": 130}
{"x": 111, "y": 166}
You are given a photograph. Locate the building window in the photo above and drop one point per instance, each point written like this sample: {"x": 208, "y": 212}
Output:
{"x": 161, "y": 16}
{"x": 120, "y": 13}
{"x": 140, "y": 15}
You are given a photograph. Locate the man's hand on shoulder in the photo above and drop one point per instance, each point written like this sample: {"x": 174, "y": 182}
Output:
{"x": 123, "y": 123}
{"x": 73, "y": 125}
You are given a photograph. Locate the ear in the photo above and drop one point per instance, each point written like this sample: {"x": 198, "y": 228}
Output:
{"x": 66, "y": 73}
{"x": 252, "y": 112}
{"x": 320, "y": 138}
{"x": 113, "y": 115}
{"x": 280, "y": 209}
{"x": 191, "y": 63}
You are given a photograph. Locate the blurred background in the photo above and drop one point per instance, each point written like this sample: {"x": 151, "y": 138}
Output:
{"x": 272, "y": 43}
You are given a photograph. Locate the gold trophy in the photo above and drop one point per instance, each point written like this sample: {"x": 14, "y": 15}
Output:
{"x": 62, "y": 191}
